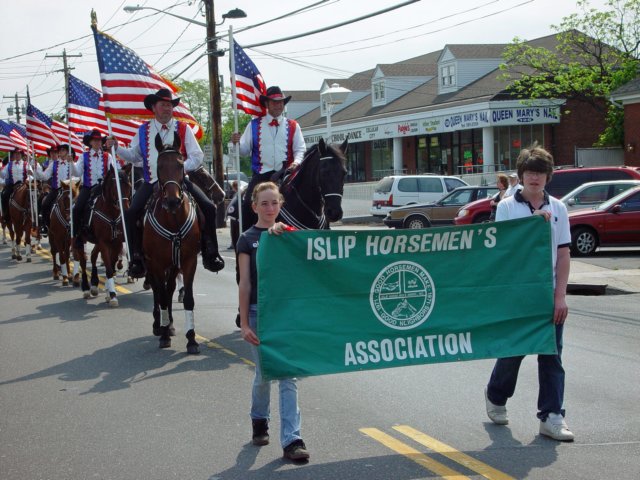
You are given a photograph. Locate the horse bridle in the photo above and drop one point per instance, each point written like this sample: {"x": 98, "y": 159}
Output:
{"x": 169, "y": 182}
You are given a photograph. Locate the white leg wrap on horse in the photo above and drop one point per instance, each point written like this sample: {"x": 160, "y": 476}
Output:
{"x": 111, "y": 285}
{"x": 76, "y": 267}
{"x": 28, "y": 250}
{"x": 189, "y": 323}
{"x": 179, "y": 282}
{"x": 63, "y": 267}
{"x": 164, "y": 318}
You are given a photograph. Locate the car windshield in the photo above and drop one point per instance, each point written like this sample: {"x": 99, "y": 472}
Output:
{"x": 611, "y": 202}
{"x": 457, "y": 197}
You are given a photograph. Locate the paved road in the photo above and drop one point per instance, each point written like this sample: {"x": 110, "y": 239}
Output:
{"x": 86, "y": 393}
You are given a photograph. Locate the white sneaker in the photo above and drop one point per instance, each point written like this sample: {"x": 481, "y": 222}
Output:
{"x": 497, "y": 413}
{"x": 556, "y": 428}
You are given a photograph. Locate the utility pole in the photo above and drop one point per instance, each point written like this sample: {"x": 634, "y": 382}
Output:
{"x": 65, "y": 69}
{"x": 216, "y": 109}
{"x": 17, "y": 107}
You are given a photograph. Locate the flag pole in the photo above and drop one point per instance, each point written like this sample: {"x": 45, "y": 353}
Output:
{"x": 236, "y": 148}
{"x": 115, "y": 170}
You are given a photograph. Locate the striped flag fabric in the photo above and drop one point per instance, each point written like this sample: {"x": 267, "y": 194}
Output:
{"x": 6, "y": 143}
{"x": 86, "y": 112}
{"x": 61, "y": 130}
{"x": 249, "y": 83}
{"x": 12, "y": 135}
{"x": 126, "y": 80}
{"x": 39, "y": 130}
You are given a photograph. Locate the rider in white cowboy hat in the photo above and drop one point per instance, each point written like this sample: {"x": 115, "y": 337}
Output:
{"x": 142, "y": 152}
{"x": 59, "y": 169}
{"x": 273, "y": 141}
{"x": 16, "y": 171}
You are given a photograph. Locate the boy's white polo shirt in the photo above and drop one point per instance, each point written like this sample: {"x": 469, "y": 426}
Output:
{"x": 516, "y": 206}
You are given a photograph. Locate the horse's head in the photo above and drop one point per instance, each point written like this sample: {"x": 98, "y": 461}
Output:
{"x": 170, "y": 173}
{"x": 110, "y": 188}
{"x": 331, "y": 175}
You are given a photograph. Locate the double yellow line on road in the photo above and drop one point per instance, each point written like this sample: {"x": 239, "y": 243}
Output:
{"x": 438, "y": 447}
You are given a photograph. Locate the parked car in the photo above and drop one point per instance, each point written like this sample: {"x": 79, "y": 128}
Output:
{"x": 474, "y": 212}
{"x": 229, "y": 177}
{"x": 615, "y": 222}
{"x": 398, "y": 190}
{"x": 442, "y": 212}
{"x": 566, "y": 179}
{"x": 591, "y": 194}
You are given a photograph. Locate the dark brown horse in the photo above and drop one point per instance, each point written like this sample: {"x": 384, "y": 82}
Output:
{"x": 21, "y": 212}
{"x": 207, "y": 184}
{"x": 105, "y": 230}
{"x": 60, "y": 231}
{"x": 171, "y": 242}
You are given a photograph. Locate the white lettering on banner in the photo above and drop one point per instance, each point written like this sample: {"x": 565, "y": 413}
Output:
{"x": 400, "y": 348}
{"x": 339, "y": 247}
{"x": 320, "y": 248}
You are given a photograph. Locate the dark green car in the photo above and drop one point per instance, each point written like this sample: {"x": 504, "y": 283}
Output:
{"x": 442, "y": 212}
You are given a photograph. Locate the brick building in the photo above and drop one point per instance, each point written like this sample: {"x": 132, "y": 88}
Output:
{"x": 629, "y": 96}
{"x": 444, "y": 112}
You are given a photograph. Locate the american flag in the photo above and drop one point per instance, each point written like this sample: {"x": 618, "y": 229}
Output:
{"x": 86, "y": 112}
{"x": 12, "y": 135}
{"x": 45, "y": 132}
{"x": 249, "y": 83}
{"x": 6, "y": 143}
{"x": 126, "y": 80}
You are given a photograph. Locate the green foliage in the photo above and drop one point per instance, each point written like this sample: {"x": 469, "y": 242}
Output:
{"x": 597, "y": 52}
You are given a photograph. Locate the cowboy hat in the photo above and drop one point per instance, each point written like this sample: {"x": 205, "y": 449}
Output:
{"x": 162, "y": 94}
{"x": 67, "y": 147}
{"x": 274, "y": 93}
{"x": 93, "y": 135}
{"x": 52, "y": 148}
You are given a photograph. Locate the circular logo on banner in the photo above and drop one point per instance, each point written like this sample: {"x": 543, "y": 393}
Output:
{"x": 402, "y": 295}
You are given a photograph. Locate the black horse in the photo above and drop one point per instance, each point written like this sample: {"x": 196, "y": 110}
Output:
{"x": 313, "y": 193}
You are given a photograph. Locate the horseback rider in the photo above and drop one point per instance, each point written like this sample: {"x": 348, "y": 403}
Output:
{"x": 142, "y": 151}
{"x": 273, "y": 142}
{"x": 59, "y": 169}
{"x": 92, "y": 167}
{"x": 14, "y": 173}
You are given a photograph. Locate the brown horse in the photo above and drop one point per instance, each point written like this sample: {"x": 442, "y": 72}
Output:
{"x": 20, "y": 213}
{"x": 105, "y": 230}
{"x": 4, "y": 225}
{"x": 207, "y": 184}
{"x": 60, "y": 231}
{"x": 171, "y": 242}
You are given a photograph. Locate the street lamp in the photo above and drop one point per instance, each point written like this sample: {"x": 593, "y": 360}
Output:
{"x": 335, "y": 95}
{"x": 214, "y": 81}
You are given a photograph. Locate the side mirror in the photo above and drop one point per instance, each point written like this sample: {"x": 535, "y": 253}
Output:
{"x": 616, "y": 209}
{"x": 571, "y": 202}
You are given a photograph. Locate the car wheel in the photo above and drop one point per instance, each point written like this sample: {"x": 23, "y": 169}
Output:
{"x": 481, "y": 218}
{"x": 584, "y": 241}
{"x": 415, "y": 221}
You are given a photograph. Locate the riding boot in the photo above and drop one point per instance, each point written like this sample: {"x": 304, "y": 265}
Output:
{"x": 136, "y": 266}
{"x": 211, "y": 259}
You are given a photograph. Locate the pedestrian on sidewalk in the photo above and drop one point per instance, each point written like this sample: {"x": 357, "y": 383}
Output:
{"x": 535, "y": 168}
{"x": 266, "y": 203}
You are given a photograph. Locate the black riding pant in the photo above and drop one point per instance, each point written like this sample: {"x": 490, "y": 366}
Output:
{"x": 47, "y": 203}
{"x": 140, "y": 199}
{"x": 248, "y": 215}
{"x": 79, "y": 208}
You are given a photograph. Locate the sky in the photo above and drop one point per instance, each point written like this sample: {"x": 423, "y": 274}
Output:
{"x": 39, "y": 30}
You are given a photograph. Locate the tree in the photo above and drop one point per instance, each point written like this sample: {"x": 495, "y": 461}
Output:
{"x": 597, "y": 52}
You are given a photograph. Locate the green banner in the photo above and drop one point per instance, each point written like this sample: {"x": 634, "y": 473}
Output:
{"x": 349, "y": 300}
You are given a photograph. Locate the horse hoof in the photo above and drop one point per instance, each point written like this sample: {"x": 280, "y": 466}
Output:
{"x": 14, "y": 256}
{"x": 28, "y": 259}
{"x": 56, "y": 277}
{"x": 76, "y": 284}
{"x": 94, "y": 292}
{"x": 65, "y": 283}
{"x": 164, "y": 343}
{"x": 113, "y": 302}
{"x": 146, "y": 285}
{"x": 172, "y": 331}
{"x": 86, "y": 294}
{"x": 193, "y": 349}
{"x": 130, "y": 280}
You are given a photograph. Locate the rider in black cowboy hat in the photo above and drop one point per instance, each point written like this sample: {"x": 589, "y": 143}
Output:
{"x": 142, "y": 152}
{"x": 279, "y": 144}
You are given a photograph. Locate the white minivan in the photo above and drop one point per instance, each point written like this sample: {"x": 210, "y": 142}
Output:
{"x": 397, "y": 190}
